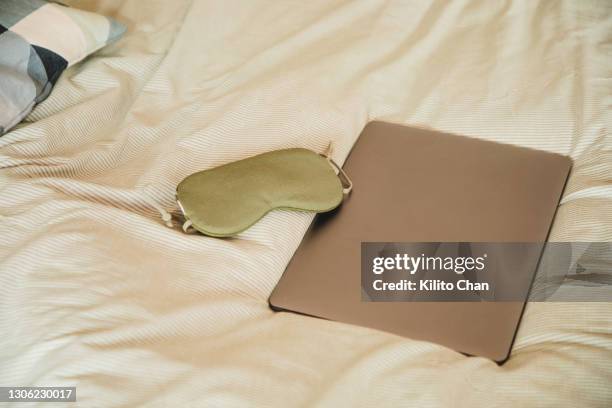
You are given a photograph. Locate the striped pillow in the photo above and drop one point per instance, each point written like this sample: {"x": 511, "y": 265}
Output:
{"x": 38, "y": 41}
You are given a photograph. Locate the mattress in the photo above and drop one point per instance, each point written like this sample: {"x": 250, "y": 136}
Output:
{"x": 96, "y": 292}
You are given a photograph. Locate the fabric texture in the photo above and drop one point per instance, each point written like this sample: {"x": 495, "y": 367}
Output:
{"x": 96, "y": 292}
{"x": 38, "y": 41}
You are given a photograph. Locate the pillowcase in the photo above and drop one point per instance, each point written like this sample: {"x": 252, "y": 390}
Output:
{"x": 38, "y": 41}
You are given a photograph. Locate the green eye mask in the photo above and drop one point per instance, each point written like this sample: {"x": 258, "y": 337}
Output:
{"x": 228, "y": 199}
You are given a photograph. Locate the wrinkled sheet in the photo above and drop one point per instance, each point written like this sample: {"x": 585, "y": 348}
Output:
{"x": 96, "y": 292}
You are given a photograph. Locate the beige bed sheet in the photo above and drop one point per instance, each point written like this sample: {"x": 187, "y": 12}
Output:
{"x": 96, "y": 292}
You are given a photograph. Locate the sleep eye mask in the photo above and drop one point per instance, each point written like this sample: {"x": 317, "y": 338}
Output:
{"x": 228, "y": 199}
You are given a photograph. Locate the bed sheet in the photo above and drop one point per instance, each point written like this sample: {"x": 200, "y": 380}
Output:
{"x": 95, "y": 291}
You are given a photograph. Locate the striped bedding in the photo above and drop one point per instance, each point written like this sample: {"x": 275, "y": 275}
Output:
{"x": 97, "y": 293}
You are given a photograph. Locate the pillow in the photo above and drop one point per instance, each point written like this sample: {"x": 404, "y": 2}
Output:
{"x": 38, "y": 41}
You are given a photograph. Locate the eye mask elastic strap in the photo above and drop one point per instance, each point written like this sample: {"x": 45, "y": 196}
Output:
{"x": 347, "y": 184}
{"x": 187, "y": 228}
{"x": 165, "y": 215}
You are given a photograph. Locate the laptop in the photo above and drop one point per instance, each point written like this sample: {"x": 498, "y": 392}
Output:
{"x": 421, "y": 186}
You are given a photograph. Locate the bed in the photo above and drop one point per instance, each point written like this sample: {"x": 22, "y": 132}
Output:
{"x": 96, "y": 292}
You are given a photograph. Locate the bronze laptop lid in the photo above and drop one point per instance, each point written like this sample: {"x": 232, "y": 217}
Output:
{"x": 416, "y": 185}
